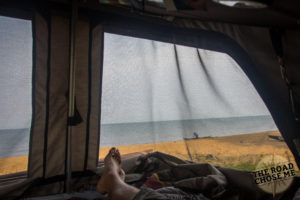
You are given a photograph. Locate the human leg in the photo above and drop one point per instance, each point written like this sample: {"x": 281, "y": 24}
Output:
{"x": 112, "y": 180}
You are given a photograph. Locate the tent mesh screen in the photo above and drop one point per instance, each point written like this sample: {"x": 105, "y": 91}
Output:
{"x": 192, "y": 103}
{"x": 15, "y": 98}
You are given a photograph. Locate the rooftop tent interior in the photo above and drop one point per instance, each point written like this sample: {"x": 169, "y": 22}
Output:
{"x": 264, "y": 43}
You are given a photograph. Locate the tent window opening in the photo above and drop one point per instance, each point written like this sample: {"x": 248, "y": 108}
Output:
{"x": 191, "y": 103}
{"x": 16, "y": 93}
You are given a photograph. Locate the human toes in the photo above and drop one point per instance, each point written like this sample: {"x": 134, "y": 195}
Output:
{"x": 110, "y": 154}
{"x": 117, "y": 156}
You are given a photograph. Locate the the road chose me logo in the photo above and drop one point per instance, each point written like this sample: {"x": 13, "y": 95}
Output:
{"x": 274, "y": 174}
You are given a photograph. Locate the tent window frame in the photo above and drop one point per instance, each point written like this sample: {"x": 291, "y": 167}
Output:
{"x": 164, "y": 32}
{"x": 234, "y": 54}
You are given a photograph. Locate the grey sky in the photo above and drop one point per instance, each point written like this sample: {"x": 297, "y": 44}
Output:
{"x": 141, "y": 83}
{"x": 15, "y": 73}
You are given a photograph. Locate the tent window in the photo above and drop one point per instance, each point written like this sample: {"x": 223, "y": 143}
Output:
{"x": 16, "y": 90}
{"x": 192, "y": 103}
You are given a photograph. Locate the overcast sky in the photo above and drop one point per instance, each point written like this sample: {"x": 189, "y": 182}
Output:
{"x": 15, "y": 73}
{"x": 141, "y": 83}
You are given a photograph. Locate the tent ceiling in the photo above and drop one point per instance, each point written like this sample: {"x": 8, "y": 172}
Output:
{"x": 279, "y": 13}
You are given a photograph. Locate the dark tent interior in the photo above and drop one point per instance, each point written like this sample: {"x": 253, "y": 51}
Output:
{"x": 189, "y": 91}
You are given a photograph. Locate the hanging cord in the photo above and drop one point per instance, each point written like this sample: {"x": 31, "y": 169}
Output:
{"x": 276, "y": 37}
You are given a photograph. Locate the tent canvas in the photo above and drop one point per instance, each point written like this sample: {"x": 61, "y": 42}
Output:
{"x": 254, "y": 44}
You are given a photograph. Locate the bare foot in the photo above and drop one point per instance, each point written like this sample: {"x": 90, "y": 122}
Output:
{"x": 112, "y": 171}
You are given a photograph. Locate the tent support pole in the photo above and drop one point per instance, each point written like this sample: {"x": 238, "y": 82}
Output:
{"x": 68, "y": 183}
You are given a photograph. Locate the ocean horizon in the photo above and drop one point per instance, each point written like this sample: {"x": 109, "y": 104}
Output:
{"x": 176, "y": 130}
{"x": 15, "y": 142}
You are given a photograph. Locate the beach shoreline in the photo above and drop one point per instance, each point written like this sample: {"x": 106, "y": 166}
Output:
{"x": 236, "y": 151}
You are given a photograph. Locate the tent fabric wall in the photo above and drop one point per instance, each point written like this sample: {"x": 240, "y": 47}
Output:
{"x": 85, "y": 135}
{"x": 81, "y": 93}
{"x": 291, "y": 45}
{"x": 40, "y": 51}
{"x": 51, "y": 74}
{"x": 95, "y": 72}
{"x": 58, "y": 74}
{"x": 58, "y": 102}
{"x": 291, "y": 57}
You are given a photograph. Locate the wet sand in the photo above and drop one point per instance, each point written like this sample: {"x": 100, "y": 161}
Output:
{"x": 238, "y": 151}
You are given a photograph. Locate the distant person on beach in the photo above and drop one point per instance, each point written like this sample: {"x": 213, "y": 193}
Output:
{"x": 196, "y": 135}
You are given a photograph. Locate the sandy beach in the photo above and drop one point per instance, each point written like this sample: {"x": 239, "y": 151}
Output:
{"x": 238, "y": 151}
{"x": 13, "y": 164}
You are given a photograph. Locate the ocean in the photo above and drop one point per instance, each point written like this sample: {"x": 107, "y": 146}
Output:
{"x": 15, "y": 142}
{"x": 166, "y": 131}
